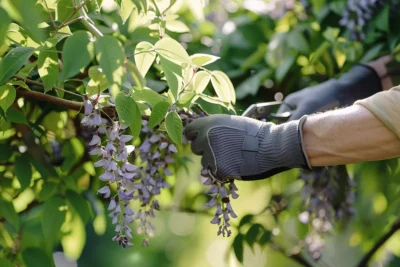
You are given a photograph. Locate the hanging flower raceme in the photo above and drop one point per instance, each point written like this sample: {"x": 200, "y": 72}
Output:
{"x": 220, "y": 193}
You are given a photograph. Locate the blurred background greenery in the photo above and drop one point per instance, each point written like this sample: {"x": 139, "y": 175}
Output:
{"x": 268, "y": 48}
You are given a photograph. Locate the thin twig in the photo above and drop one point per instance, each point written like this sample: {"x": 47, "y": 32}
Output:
{"x": 42, "y": 85}
{"x": 89, "y": 24}
{"x": 367, "y": 257}
{"x": 65, "y": 24}
{"x": 76, "y": 9}
{"x": 50, "y": 15}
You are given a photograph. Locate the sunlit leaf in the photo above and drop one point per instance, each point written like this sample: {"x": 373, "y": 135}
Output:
{"x": 48, "y": 68}
{"x": 148, "y": 96}
{"x": 30, "y": 18}
{"x": 4, "y": 22}
{"x": 13, "y": 61}
{"x": 176, "y": 26}
{"x": 36, "y": 257}
{"x": 223, "y": 86}
{"x": 98, "y": 81}
{"x": 23, "y": 171}
{"x": 52, "y": 218}
{"x": 74, "y": 241}
{"x": 203, "y": 59}
{"x": 172, "y": 50}
{"x": 174, "y": 127}
{"x": 200, "y": 81}
{"x": 125, "y": 10}
{"x": 77, "y": 53}
{"x": 144, "y": 57}
{"x": 7, "y": 96}
{"x": 111, "y": 57}
{"x": 173, "y": 74}
{"x": 158, "y": 113}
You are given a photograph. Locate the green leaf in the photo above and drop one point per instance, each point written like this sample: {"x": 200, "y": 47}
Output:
{"x": 8, "y": 212}
{"x": 382, "y": 19}
{"x": 4, "y": 22}
{"x": 125, "y": 10}
{"x": 158, "y": 113}
{"x": 251, "y": 85}
{"x": 331, "y": 34}
{"x": 284, "y": 67}
{"x": 173, "y": 74}
{"x": 34, "y": 257}
{"x": 144, "y": 57}
{"x": 30, "y": 18}
{"x": 52, "y": 219}
{"x": 187, "y": 99}
{"x": 126, "y": 107}
{"x": 136, "y": 126}
{"x": 252, "y": 234}
{"x": 371, "y": 53}
{"x": 203, "y": 59}
{"x": 48, "y": 68}
{"x": 200, "y": 81}
{"x": 110, "y": 55}
{"x": 172, "y": 50}
{"x": 223, "y": 87}
{"x": 7, "y": 96}
{"x": 297, "y": 41}
{"x": 48, "y": 189}
{"x": 16, "y": 116}
{"x": 98, "y": 82}
{"x": 246, "y": 219}
{"x": 148, "y": 96}
{"x": 176, "y": 26}
{"x": 238, "y": 247}
{"x": 174, "y": 127}
{"x": 13, "y": 61}
{"x": 79, "y": 205}
{"x": 134, "y": 76}
{"x": 23, "y": 171}
{"x": 265, "y": 238}
{"x": 77, "y": 53}
{"x": 5, "y": 263}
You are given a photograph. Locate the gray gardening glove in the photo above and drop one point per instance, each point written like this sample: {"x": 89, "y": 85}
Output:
{"x": 236, "y": 147}
{"x": 360, "y": 82}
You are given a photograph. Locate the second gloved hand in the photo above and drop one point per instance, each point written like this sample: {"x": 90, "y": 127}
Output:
{"x": 234, "y": 147}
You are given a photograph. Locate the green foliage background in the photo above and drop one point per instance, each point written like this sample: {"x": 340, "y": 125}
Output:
{"x": 50, "y": 204}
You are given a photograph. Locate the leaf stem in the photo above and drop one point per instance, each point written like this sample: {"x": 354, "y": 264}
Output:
{"x": 87, "y": 21}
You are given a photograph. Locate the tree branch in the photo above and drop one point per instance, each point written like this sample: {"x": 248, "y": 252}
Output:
{"x": 367, "y": 257}
{"x": 89, "y": 24}
{"x": 74, "y": 105}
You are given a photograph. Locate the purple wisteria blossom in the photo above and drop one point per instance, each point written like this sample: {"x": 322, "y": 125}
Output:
{"x": 220, "y": 198}
{"x": 130, "y": 182}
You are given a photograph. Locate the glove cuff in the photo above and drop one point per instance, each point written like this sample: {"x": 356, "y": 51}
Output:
{"x": 280, "y": 148}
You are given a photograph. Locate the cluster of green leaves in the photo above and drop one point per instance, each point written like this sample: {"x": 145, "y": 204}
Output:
{"x": 54, "y": 52}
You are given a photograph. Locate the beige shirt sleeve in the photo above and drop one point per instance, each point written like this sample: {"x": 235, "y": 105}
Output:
{"x": 386, "y": 106}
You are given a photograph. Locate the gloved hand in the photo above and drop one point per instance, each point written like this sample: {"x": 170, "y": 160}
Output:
{"x": 236, "y": 147}
{"x": 360, "y": 82}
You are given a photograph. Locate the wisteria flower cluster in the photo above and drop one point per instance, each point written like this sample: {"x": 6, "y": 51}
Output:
{"x": 321, "y": 193}
{"x": 357, "y": 14}
{"x": 220, "y": 193}
{"x": 131, "y": 182}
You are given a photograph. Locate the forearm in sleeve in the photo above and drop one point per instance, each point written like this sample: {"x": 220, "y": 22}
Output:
{"x": 348, "y": 135}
